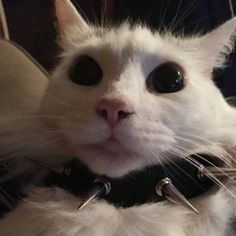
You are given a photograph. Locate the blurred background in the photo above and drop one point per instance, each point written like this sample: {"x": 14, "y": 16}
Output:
{"x": 32, "y": 24}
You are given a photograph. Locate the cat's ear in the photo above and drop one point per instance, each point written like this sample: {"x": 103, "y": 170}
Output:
{"x": 218, "y": 44}
{"x": 68, "y": 18}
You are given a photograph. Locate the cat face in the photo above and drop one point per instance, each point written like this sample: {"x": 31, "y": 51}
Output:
{"x": 126, "y": 98}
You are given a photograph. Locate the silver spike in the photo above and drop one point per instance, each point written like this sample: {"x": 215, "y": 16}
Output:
{"x": 222, "y": 171}
{"x": 215, "y": 172}
{"x": 100, "y": 188}
{"x": 166, "y": 189}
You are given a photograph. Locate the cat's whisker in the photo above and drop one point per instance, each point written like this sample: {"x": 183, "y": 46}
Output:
{"x": 39, "y": 133}
{"x": 180, "y": 152}
{"x": 212, "y": 177}
{"x": 222, "y": 171}
{"x": 104, "y": 14}
{"x": 82, "y": 12}
{"x": 195, "y": 143}
{"x": 194, "y": 136}
{"x": 48, "y": 166}
{"x": 178, "y": 167}
{"x": 57, "y": 100}
{"x": 185, "y": 13}
{"x": 160, "y": 159}
{"x": 162, "y": 17}
{"x": 31, "y": 139}
{"x": 23, "y": 117}
{"x": 171, "y": 27}
{"x": 16, "y": 165}
{"x": 209, "y": 162}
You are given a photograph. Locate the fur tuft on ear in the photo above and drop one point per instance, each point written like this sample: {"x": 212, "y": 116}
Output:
{"x": 218, "y": 44}
{"x": 69, "y": 19}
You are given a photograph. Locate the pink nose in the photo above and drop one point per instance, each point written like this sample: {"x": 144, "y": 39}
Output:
{"x": 114, "y": 110}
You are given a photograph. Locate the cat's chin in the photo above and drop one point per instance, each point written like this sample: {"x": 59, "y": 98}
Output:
{"x": 109, "y": 158}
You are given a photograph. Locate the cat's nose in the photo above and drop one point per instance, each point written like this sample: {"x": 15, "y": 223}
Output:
{"x": 114, "y": 111}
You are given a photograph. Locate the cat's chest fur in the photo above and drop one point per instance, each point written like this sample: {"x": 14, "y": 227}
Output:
{"x": 54, "y": 212}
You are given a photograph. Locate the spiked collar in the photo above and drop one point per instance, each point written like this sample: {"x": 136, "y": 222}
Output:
{"x": 178, "y": 181}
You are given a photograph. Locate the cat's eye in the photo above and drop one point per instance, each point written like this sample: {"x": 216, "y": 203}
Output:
{"x": 166, "y": 78}
{"x": 85, "y": 71}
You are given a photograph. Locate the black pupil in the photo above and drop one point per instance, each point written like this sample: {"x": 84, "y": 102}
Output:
{"x": 167, "y": 78}
{"x": 85, "y": 71}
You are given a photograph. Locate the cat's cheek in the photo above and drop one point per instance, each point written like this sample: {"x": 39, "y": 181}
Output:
{"x": 146, "y": 137}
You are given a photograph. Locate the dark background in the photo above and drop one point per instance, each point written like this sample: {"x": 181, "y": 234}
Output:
{"x": 31, "y": 23}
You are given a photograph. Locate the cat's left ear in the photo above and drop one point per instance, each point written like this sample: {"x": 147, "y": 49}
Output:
{"x": 218, "y": 44}
{"x": 68, "y": 18}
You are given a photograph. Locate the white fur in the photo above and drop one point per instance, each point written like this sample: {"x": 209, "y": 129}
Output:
{"x": 53, "y": 212}
{"x": 164, "y": 126}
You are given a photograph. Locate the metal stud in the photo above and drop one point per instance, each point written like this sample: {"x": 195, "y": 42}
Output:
{"x": 101, "y": 187}
{"x": 166, "y": 189}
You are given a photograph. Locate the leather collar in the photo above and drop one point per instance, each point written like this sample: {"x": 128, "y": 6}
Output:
{"x": 138, "y": 187}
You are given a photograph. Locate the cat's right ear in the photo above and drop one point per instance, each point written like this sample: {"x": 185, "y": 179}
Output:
{"x": 68, "y": 18}
{"x": 216, "y": 45}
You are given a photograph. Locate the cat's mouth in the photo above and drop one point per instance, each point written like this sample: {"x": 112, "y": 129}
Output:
{"x": 110, "y": 157}
{"x": 111, "y": 144}
{"x": 110, "y": 148}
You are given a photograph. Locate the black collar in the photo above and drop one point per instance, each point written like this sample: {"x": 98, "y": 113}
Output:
{"x": 138, "y": 187}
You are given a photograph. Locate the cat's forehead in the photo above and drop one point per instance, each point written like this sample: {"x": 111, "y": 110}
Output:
{"x": 126, "y": 45}
{"x": 126, "y": 40}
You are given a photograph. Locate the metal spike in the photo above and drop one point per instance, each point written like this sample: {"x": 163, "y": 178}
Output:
{"x": 166, "y": 189}
{"x": 214, "y": 173}
{"x": 100, "y": 188}
{"x": 222, "y": 171}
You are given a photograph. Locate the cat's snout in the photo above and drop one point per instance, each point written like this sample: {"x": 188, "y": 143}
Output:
{"x": 114, "y": 111}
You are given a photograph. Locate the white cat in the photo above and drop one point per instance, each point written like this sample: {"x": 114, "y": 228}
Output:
{"x": 108, "y": 105}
